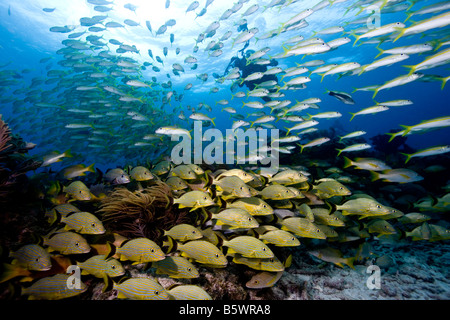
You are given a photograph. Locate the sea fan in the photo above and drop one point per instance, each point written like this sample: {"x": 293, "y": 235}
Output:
{"x": 141, "y": 213}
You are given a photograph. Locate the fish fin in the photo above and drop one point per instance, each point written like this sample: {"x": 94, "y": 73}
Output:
{"x": 11, "y": 271}
{"x": 411, "y": 68}
{"x": 409, "y": 15}
{"x": 347, "y": 162}
{"x": 379, "y": 53}
{"x": 375, "y": 92}
{"x": 288, "y": 262}
{"x": 111, "y": 250}
{"x": 339, "y": 153}
{"x": 401, "y": 33}
{"x": 212, "y": 120}
{"x": 288, "y": 130}
{"x": 408, "y": 156}
{"x": 407, "y": 129}
{"x": 374, "y": 176}
{"x": 444, "y": 81}
{"x": 91, "y": 168}
{"x": 356, "y": 38}
{"x": 350, "y": 261}
{"x": 392, "y": 136}
{"x": 68, "y": 153}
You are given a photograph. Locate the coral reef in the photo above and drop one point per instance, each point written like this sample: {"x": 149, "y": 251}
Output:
{"x": 16, "y": 194}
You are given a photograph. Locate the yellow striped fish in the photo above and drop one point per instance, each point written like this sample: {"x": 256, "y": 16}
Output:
{"x": 32, "y": 257}
{"x": 188, "y": 292}
{"x": 141, "y": 289}
{"x": 139, "y": 250}
{"x": 53, "y": 288}
{"x": 268, "y": 264}
{"x": 176, "y": 267}
{"x": 100, "y": 267}
{"x": 83, "y": 222}
{"x": 264, "y": 280}
{"x": 203, "y": 252}
{"x": 184, "y": 232}
{"x": 248, "y": 247}
{"x": 67, "y": 243}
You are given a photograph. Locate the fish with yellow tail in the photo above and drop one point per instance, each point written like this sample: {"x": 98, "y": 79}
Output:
{"x": 355, "y": 147}
{"x": 332, "y": 255}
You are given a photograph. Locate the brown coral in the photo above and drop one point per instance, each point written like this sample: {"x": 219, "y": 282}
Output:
{"x": 141, "y": 213}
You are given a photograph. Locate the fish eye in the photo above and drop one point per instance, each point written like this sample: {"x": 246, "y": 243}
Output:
{"x": 241, "y": 188}
{"x": 205, "y": 198}
{"x": 264, "y": 206}
{"x": 217, "y": 255}
{"x": 250, "y": 219}
{"x": 93, "y": 225}
{"x": 37, "y": 260}
{"x": 152, "y": 250}
{"x": 77, "y": 244}
{"x": 293, "y": 238}
{"x": 157, "y": 292}
{"x": 378, "y": 206}
{"x": 263, "y": 249}
{"x": 189, "y": 269}
{"x": 113, "y": 267}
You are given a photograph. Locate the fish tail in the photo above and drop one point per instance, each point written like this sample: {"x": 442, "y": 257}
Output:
{"x": 408, "y": 157}
{"x": 361, "y": 9}
{"x": 353, "y": 115}
{"x": 68, "y": 153}
{"x": 169, "y": 245}
{"x": 309, "y": 117}
{"x": 110, "y": 251}
{"x": 54, "y": 216}
{"x": 339, "y": 153}
{"x": 375, "y": 92}
{"x": 409, "y": 14}
{"x": 347, "y": 162}
{"x": 349, "y": 262}
{"x": 301, "y": 148}
{"x": 444, "y": 81}
{"x": 10, "y": 271}
{"x": 401, "y": 33}
{"x": 411, "y": 69}
{"x": 379, "y": 53}
{"x": 392, "y": 136}
{"x": 407, "y": 130}
{"x": 91, "y": 168}
{"x": 252, "y": 123}
{"x": 363, "y": 69}
{"x": 356, "y": 38}
{"x": 321, "y": 79}
{"x": 212, "y": 120}
{"x": 374, "y": 176}
{"x": 288, "y": 130}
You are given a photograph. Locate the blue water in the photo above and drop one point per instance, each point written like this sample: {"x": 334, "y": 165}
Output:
{"x": 25, "y": 43}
